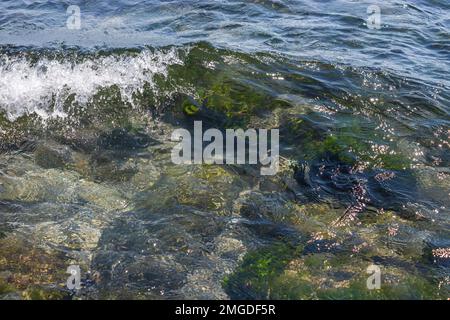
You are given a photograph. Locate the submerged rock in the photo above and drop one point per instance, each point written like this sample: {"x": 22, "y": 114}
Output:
{"x": 51, "y": 155}
{"x": 205, "y": 187}
{"x": 60, "y": 186}
{"x": 328, "y": 178}
{"x": 287, "y": 274}
{"x": 153, "y": 258}
{"x": 203, "y": 284}
{"x": 106, "y": 166}
{"x": 120, "y": 138}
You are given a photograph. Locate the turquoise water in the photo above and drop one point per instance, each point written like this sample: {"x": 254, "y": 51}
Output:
{"x": 86, "y": 176}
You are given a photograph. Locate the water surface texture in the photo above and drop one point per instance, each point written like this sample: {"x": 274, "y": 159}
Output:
{"x": 86, "y": 176}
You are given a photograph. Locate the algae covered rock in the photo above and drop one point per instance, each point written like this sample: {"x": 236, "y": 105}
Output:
{"x": 205, "y": 187}
{"x": 254, "y": 277}
{"x": 120, "y": 138}
{"x": 277, "y": 273}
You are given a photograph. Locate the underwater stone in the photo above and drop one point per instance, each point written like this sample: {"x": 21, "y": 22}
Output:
{"x": 51, "y": 155}
{"x": 230, "y": 248}
{"x": 156, "y": 275}
{"x": 122, "y": 139}
{"x": 203, "y": 284}
{"x": 330, "y": 179}
{"x": 30, "y": 265}
{"x": 107, "y": 166}
{"x": 62, "y": 187}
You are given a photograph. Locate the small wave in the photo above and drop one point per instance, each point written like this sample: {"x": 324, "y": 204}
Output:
{"x": 42, "y": 87}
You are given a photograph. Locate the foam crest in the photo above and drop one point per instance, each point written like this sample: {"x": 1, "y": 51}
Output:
{"x": 43, "y": 87}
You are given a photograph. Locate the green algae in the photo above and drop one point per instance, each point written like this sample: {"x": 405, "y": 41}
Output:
{"x": 350, "y": 149}
{"x": 224, "y": 88}
{"x": 282, "y": 272}
{"x": 351, "y": 143}
{"x": 6, "y": 288}
{"x": 258, "y": 271}
{"x": 190, "y": 109}
{"x": 409, "y": 288}
{"x": 302, "y": 286}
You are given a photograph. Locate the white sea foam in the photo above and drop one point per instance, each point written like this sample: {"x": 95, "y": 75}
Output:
{"x": 43, "y": 87}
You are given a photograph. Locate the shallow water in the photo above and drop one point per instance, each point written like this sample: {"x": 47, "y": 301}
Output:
{"x": 86, "y": 176}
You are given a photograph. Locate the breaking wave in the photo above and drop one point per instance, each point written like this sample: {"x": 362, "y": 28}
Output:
{"x": 43, "y": 86}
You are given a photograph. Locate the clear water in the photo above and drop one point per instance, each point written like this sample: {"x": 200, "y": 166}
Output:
{"x": 85, "y": 171}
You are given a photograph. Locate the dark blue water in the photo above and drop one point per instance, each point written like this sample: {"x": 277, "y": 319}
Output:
{"x": 413, "y": 40}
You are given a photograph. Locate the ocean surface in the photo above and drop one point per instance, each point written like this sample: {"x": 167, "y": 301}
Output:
{"x": 89, "y": 98}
